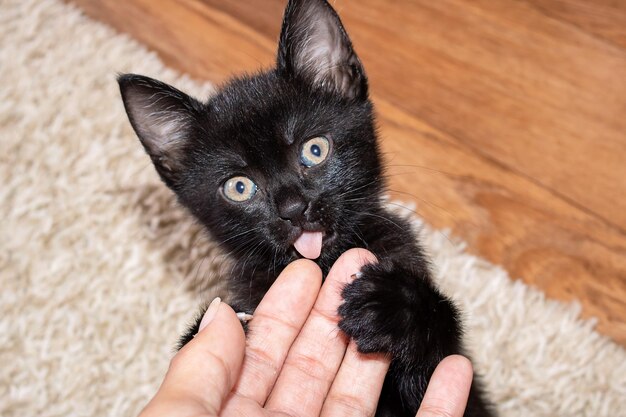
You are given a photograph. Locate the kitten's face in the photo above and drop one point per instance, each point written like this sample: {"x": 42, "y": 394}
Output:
{"x": 274, "y": 159}
{"x": 279, "y": 165}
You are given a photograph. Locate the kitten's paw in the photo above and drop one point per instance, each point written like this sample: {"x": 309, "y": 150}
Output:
{"x": 396, "y": 310}
{"x": 379, "y": 309}
{"x": 244, "y": 317}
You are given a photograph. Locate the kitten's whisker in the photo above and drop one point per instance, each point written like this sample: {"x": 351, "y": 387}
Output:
{"x": 417, "y": 213}
{"x": 248, "y": 255}
{"x": 359, "y": 199}
{"x": 425, "y": 201}
{"x": 243, "y": 268}
{"x": 245, "y": 250}
{"x": 240, "y": 234}
{"x": 256, "y": 264}
{"x": 359, "y": 234}
{"x": 351, "y": 190}
{"x": 396, "y": 174}
{"x": 378, "y": 216}
{"x": 273, "y": 261}
{"x": 438, "y": 171}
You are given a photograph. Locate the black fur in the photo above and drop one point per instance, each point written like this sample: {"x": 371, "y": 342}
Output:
{"x": 255, "y": 127}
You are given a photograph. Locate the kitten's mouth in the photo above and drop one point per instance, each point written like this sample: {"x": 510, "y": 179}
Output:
{"x": 309, "y": 244}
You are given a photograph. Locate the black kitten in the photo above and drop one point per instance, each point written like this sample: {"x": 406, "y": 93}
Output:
{"x": 285, "y": 164}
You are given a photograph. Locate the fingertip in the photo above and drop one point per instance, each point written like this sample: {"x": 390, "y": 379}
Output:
{"x": 224, "y": 324}
{"x": 458, "y": 371}
{"x": 350, "y": 263}
{"x": 448, "y": 388}
{"x": 460, "y": 363}
{"x": 304, "y": 268}
{"x": 210, "y": 313}
{"x": 294, "y": 290}
{"x": 359, "y": 256}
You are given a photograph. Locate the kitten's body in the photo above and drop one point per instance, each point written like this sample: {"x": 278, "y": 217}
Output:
{"x": 259, "y": 128}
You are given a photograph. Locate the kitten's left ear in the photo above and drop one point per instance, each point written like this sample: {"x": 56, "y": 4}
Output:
{"x": 163, "y": 118}
{"x": 314, "y": 45}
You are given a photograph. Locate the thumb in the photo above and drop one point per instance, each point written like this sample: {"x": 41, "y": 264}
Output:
{"x": 203, "y": 372}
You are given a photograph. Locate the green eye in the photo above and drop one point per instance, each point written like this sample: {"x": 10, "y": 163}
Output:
{"x": 239, "y": 189}
{"x": 314, "y": 151}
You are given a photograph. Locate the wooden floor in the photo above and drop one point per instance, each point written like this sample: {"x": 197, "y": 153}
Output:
{"x": 504, "y": 121}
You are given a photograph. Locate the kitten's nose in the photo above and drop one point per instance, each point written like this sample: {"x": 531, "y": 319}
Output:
{"x": 291, "y": 208}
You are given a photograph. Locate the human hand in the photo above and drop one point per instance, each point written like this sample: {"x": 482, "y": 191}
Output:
{"x": 295, "y": 361}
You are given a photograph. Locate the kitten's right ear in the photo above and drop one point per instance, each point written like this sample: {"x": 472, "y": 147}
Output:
{"x": 163, "y": 118}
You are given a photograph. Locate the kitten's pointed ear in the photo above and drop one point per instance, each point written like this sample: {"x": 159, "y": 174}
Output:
{"x": 314, "y": 45}
{"x": 163, "y": 118}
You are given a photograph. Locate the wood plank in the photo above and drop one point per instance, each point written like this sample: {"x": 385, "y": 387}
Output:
{"x": 523, "y": 85}
{"x": 501, "y": 122}
{"x": 605, "y": 19}
{"x": 536, "y": 235}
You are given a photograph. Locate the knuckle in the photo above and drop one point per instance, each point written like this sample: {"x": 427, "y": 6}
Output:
{"x": 310, "y": 366}
{"x": 275, "y": 320}
{"x": 260, "y": 360}
{"x": 206, "y": 361}
{"x": 348, "y": 405}
{"x": 330, "y": 317}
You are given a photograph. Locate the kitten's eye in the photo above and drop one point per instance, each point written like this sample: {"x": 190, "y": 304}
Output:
{"x": 239, "y": 189}
{"x": 314, "y": 151}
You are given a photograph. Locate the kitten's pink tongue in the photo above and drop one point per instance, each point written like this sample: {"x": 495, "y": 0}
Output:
{"x": 309, "y": 244}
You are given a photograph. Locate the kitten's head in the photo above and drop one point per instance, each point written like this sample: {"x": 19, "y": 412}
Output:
{"x": 277, "y": 164}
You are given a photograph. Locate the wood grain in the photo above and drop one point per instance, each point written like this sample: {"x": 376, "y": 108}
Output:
{"x": 503, "y": 121}
{"x": 605, "y": 19}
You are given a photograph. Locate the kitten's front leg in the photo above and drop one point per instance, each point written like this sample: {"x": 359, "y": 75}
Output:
{"x": 393, "y": 307}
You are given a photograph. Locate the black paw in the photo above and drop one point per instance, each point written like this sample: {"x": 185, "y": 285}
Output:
{"x": 397, "y": 311}
{"x": 378, "y": 309}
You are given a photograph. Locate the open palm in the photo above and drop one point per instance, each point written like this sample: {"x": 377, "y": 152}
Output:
{"x": 294, "y": 362}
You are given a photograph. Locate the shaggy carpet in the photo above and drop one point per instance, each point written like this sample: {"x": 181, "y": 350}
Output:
{"x": 100, "y": 269}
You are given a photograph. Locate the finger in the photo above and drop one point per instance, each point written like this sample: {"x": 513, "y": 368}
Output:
{"x": 356, "y": 388}
{"x": 203, "y": 372}
{"x": 448, "y": 388}
{"x": 277, "y": 321}
{"x": 316, "y": 354}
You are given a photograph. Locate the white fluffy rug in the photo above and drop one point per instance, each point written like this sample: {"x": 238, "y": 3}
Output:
{"x": 96, "y": 258}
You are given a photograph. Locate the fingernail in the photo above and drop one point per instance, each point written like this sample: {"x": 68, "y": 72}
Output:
{"x": 210, "y": 313}
{"x": 356, "y": 275}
